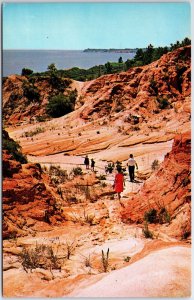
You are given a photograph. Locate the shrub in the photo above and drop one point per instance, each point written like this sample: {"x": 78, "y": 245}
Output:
{"x": 77, "y": 171}
{"x": 87, "y": 262}
{"x": 155, "y": 164}
{"x": 185, "y": 234}
{"x": 34, "y": 132}
{"x": 59, "y": 105}
{"x": 147, "y": 233}
{"x": 151, "y": 216}
{"x": 41, "y": 118}
{"x": 163, "y": 103}
{"x": 70, "y": 249}
{"x": 14, "y": 149}
{"x": 105, "y": 260}
{"x": 41, "y": 256}
{"x": 31, "y": 92}
{"x": 59, "y": 83}
{"x": 58, "y": 175}
{"x": 102, "y": 177}
{"x": 164, "y": 216}
{"x": 26, "y": 72}
{"x": 127, "y": 258}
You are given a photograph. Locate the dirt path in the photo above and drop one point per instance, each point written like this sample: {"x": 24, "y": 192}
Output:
{"x": 134, "y": 264}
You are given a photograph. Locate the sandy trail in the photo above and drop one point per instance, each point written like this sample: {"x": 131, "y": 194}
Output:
{"x": 160, "y": 272}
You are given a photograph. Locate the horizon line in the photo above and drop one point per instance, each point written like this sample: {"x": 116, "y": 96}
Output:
{"x": 76, "y": 49}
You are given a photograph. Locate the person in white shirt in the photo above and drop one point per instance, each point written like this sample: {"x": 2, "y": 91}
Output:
{"x": 131, "y": 163}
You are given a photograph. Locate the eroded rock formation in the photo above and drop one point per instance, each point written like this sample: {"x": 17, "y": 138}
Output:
{"x": 168, "y": 191}
{"x": 27, "y": 198}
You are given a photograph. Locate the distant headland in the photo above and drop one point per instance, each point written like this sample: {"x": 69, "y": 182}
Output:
{"x": 126, "y": 50}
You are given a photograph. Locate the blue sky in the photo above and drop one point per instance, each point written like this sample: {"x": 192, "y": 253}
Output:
{"x": 94, "y": 25}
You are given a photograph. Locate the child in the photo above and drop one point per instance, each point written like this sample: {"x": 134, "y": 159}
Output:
{"x": 92, "y": 164}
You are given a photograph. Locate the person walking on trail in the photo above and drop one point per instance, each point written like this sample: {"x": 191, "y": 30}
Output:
{"x": 92, "y": 164}
{"x": 131, "y": 163}
{"x": 119, "y": 182}
{"x": 87, "y": 162}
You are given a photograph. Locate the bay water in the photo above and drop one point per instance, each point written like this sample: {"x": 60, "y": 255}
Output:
{"x": 38, "y": 60}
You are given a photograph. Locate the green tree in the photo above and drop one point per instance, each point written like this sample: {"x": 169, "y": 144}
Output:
{"x": 128, "y": 64}
{"x": 26, "y": 72}
{"x": 120, "y": 60}
{"x": 31, "y": 92}
{"x": 60, "y": 105}
{"x": 108, "y": 67}
{"x": 52, "y": 68}
{"x": 139, "y": 55}
{"x": 148, "y": 55}
{"x": 186, "y": 42}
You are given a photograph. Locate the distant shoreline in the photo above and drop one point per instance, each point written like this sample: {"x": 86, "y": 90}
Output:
{"x": 126, "y": 50}
{"x": 38, "y": 60}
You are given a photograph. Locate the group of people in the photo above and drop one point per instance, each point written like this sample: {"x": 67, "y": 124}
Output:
{"x": 119, "y": 177}
{"x": 119, "y": 181}
{"x": 87, "y": 163}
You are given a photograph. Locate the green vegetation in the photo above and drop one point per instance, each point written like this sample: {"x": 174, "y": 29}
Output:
{"x": 58, "y": 78}
{"x": 155, "y": 164}
{"x": 151, "y": 216}
{"x": 77, "y": 171}
{"x": 163, "y": 103}
{"x": 13, "y": 148}
{"x": 57, "y": 174}
{"x": 127, "y": 258}
{"x": 61, "y": 105}
{"x": 164, "y": 216}
{"x": 146, "y": 232}
{"x": 41, "y": 256}
{"x": 42, "y": 118}
{"x": 120, "y": 60}
{"x": 34, "y": 132}
{"x": 150, "y": 54}
{"x": 26, "y": 72}
{"x": 30, "y": 92}
{"x": 161, "y": 216}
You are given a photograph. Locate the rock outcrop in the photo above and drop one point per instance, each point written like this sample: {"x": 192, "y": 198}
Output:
{"x": 144, "y": 91}
{"x": 134, "y": 96}
{"x": 27, "y": 198}
{"x": 168, "y": 192}
{"x": 25, "y": 98}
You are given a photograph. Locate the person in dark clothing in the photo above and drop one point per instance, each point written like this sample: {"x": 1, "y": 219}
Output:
{"x": 131, "y": 167}
{"x": 92, "y": 164}
{"x": 87, "y": 162}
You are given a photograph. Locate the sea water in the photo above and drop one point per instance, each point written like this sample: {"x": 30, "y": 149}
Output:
{"x": 38, "y": 60}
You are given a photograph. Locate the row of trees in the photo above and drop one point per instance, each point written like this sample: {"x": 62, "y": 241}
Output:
{"x": 150, "y": 54}
{"x": 142, "y": 57}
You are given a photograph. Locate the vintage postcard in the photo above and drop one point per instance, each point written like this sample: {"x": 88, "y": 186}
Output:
{"x": 96, "y": 149}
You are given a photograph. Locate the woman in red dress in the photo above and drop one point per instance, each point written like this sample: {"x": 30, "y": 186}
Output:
{"x": 119, "y": 182}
